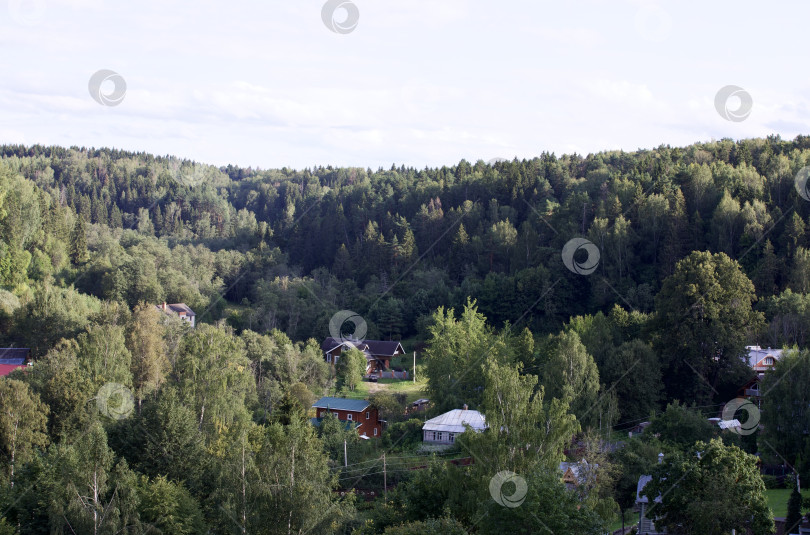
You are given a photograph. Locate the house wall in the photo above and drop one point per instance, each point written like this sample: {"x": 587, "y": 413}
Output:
{"x": 438, "y": 437}
{"x": 368, "y": 425}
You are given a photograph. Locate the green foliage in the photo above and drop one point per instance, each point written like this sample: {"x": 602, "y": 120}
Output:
{"x": 710, "y": 489}
{"x": 570, "y": 373}
{"x": 433, "y": 526}
{"x": 704, "y": 318}
{"x": 402, "y": 435}
{"x": 22, "y": 425}
{"x": 350, "y": 369}
{"x": 681, "y": 426}
{"x": 169, "y": 507}
{"x": 455, "y": 356}
{"x": 794, "y": 512}
{"x": 223, "y": 413}
{"x": 786, "y": 399}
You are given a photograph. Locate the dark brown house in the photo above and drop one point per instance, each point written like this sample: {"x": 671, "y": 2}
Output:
{"x": 378, "y": 353}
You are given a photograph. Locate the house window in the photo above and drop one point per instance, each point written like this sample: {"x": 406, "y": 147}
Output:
{"x": 768, "y": 361}
{"x": 328, "y": 357}
{"x": 375, "y": 431}
{"x": 349, "y": 416}
{"x": 368, "y": 415}
{"x": 452, "y": 437}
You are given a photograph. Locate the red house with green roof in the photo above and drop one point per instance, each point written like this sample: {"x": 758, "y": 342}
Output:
{"x": 356, "y": 412}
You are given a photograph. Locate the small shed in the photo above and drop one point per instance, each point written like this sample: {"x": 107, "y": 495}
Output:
{"x": 420, "y": 404}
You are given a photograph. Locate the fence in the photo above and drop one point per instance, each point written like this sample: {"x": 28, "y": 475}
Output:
{"x": 391, "y": 374}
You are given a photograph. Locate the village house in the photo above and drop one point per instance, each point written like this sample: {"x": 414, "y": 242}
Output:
{"x": 443, "y": 429}
{"x": 357, "y": 413}
{"x": 760, "y": 360}
{"x": 181, "y": 309}
{"x": 378, "y": 353}
{"x": 12, "y": 358}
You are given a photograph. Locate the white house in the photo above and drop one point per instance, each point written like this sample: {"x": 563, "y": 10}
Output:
{"x": 443, "y": 429}
{"x": 181, "y": 309}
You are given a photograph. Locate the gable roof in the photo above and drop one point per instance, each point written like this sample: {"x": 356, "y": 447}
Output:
{"x": 756, "y": 355}
{"x": 13, "y": 353}
{"x": 454, "y": 421}
{"x": 341, "y": 404}
{"x": 375, "y": 348}
{"x": 178, "y": 308}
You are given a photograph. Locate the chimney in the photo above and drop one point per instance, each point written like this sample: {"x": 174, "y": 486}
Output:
{"x": 164, "y": 306}
{"x": 464, "y": 407}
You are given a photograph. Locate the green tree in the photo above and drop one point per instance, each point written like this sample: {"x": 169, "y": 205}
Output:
{"x": 569, "y": 372}
{"x": 78, "y": 242}
{"x": 794, "y": 511}
{"x": 704, "y": 319}
{"x": 145, "y": 342}
{"x": 525, "y": 427}
{"x": 167, "y": 506}
{"x": 711, "y": 489}
{"x": 350, "y": 368}
{"x": 681, "y": 426}
{"x": 23, "y": 419}
{"x": 637, "y": 457}
{"x": 786, "y": 404}
{"x": 455, "y": 354}
{"x": 633, "y": 371}
{"x": 214, "y": 378}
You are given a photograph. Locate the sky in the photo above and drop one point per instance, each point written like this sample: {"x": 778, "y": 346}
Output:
{"x": 407, "y": 82}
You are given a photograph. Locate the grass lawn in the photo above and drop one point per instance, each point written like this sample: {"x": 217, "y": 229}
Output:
{"x": 630, "y": 519}
{"x": 413, "y": 390}
{"x": 778, "y": 499}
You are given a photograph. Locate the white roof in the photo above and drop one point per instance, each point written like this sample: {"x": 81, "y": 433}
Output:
{"x": 454, "y": 421}
{"x": 729, "y": 424}
{"x": 756, "y": 354}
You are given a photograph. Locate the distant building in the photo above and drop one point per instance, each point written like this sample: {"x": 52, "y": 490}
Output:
{"x": 357, "y": 413}
{"x": 378, "y": 353}
{"x": 762, "y": 360}
{"x": 420, "y": 404}
{"x": 570, "y": 474}
{"x": 12, "y": 358}
{"x": 638, "y": 428}
{"x": 578, "y": 473}
{"x": 181, "y": 309}
{"x": 443, "y": 429}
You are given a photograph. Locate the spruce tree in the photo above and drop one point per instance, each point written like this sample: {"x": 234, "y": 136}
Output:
{"x": 794, "y": 512}
{"x": 78, "y": 242}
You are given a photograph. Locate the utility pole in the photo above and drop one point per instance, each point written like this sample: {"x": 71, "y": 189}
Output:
{"x": 414, "y": 366}
{"x": 345, "y": 457}
{"x": 385, "y": 480}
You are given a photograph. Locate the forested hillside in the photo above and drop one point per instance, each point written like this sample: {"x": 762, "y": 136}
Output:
{"x": 701, "y": 251}
{"x": 395, "y": 244}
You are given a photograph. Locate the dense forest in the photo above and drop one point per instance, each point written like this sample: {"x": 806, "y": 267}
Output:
{"x": 701, "y": 251}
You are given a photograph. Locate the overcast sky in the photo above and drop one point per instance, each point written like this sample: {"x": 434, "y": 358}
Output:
{"x": 417, "y": 82}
